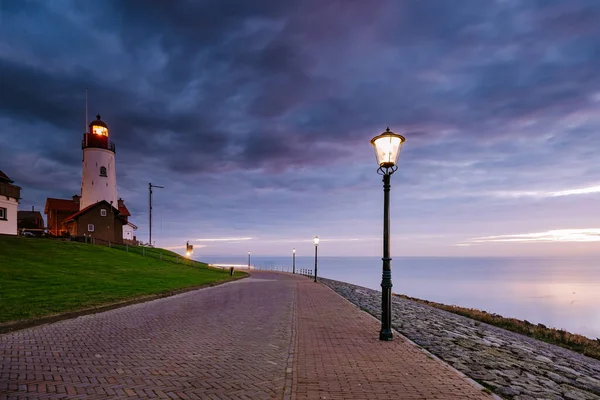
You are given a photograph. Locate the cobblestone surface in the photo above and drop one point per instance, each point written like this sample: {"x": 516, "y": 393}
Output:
{"x": 515, "y": 366}
{"x": 339, "y": 356}
{"x": 231, "y": 341}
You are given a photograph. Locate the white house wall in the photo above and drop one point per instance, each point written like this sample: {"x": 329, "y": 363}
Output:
{"x": 9, "y": 227}
{"x": 127, "y": 232}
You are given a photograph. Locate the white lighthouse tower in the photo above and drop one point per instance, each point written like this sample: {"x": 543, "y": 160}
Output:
{"x": 98, "y": 175}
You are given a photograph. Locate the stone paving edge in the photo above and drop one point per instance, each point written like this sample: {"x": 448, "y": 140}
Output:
{"x": 471, "y": 381}
{"x": 30, "y": 323}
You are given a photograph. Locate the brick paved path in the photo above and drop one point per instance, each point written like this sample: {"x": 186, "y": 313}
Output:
{"x": 339, "y": 356}
{"x": 229, "y": 341}
{"x": 233, "y": 341}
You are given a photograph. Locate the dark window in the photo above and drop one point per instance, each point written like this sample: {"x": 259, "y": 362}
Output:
{"x": 3, "y": 213}
{"x": 102, "y": 171}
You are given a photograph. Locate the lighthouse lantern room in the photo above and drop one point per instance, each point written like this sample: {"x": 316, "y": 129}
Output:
{"x": 98, "y": 176}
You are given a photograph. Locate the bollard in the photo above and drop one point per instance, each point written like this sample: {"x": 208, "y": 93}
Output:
{"x": 161, "y": 256}
{"x": 127, "y": 248}
{"x": 143, "y": 251}
{"x": 231, "y": 271}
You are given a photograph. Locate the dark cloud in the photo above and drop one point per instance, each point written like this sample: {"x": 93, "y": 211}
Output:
{"x": 278, "y": 100}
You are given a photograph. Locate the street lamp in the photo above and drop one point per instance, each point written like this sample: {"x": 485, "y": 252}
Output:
{"x": 248, "y": 260}
{"x": 387, "y": 149}
{"x": 316, "y": 240}
{"x": 189, "y": 249}
{"x": 293, "y": 261}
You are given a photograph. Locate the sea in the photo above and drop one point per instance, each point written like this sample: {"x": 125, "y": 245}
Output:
{"x": 562, "y": 293}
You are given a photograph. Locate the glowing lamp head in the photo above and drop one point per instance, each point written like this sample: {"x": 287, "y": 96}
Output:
{"x": 294, "y": 251}
{"x": 387, "y": 148}
{"x": 98, "y": 127}
{"x": 188, "y": 254}
{"x": 316, "y": 240}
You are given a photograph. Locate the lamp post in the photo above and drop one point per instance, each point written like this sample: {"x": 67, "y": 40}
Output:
{"x": 248, "y": 260}
{"x": 316, "y": 240}
{"x": 293, "y": 261}
{"x": 387, "y": 149}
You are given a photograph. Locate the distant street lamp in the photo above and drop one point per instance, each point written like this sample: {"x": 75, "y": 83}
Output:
{"x": 387, "y": 149}
{"x": 293, "y": 261}
{"x": 189, "y": 249}
{"x": 248, "y": 259}
{"x": 316, "y": 240}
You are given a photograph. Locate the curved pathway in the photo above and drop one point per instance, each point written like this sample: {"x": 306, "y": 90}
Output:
{"x": 270, "y": 336}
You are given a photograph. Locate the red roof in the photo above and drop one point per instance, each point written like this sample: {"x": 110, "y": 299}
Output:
{"x": 124, "y": 211}
{"x": 78, "y": 213}
{"x": 60, "y": 205}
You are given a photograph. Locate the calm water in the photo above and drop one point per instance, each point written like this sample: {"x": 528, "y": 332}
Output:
{"x": 558, "y": 292}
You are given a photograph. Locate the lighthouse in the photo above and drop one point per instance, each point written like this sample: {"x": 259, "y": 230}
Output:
{"x": 96, "y": 212}
{"x": 98, "y": 175}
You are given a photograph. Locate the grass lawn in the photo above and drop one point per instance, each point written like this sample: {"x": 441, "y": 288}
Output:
{"x": 41, "y": 277}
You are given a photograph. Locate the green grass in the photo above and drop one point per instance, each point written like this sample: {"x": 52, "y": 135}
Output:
{"x": 559, "y": 337}
{"x": 42, "y": 277}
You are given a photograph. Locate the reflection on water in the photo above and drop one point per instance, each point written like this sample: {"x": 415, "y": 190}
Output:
{"x": 558, "y": 292}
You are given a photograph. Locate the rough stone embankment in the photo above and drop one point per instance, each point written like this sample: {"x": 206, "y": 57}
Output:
{"x": 512, "y": 365}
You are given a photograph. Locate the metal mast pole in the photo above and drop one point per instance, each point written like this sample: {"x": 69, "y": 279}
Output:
{"x": 150, "y": 216}
{"x": 150, "y": 186}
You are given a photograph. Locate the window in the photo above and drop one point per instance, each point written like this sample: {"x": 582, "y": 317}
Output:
{"x": 103, "y": 213}
{"x": 2, "y": 213}
{"x": 90, "y": 227}
{"x": 102, "y": 171}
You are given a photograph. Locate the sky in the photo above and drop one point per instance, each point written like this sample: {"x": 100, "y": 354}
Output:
{"x": 256, "y": 117}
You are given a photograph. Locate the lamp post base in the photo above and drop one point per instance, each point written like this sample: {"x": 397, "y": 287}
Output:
{"x": 386, "y": 335}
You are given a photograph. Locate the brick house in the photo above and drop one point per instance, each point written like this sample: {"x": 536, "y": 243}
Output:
{"x": 30, "y": 220}
{"x": 100, "y": 220}
{"x": 57, "y": 210}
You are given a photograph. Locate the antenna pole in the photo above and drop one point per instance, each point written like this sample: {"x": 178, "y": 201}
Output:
{"x": 86, "y": 110}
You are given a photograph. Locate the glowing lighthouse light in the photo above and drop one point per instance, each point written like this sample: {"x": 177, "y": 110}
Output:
{"x": 98, "y": 127}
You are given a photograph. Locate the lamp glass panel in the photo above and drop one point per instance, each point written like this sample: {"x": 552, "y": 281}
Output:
{"x": 316, "y": 239}
{"x": 387, "y": 149}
